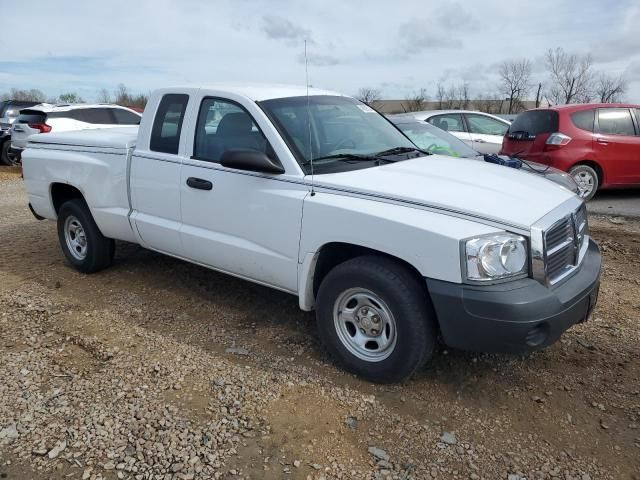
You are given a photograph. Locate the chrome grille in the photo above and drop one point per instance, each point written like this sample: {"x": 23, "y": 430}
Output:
{"x": 563, "y": 242}
{"x": 560, "y": 248}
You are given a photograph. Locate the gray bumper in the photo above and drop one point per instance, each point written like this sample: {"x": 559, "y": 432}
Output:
{"x": 515, "y": 316}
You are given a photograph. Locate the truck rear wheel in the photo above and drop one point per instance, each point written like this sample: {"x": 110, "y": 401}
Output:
{"x": 81, "y": 240}
{"x": 375, "y": 318}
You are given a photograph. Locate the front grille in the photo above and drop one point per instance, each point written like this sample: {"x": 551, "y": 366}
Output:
{"x": 562, "y": 244}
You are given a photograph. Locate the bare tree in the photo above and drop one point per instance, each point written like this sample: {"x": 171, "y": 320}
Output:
{"x": 610, "y": 89}
{"x": 538, "y": 93}
{"x": 463, "y": 96}
{"x": 368, "y": 95}
{"x": 441, "y": 93}
{"x": 32, "y": 95}
{"x": 450, "y": 97}
{"x": 416, "y": 101}
{"x": 104, "y": 96}
{"x": 124, "y": 98}
{"x": 571, "y": 76}
{"x": 70, "y": 97}
{"x": 514, "y": 80}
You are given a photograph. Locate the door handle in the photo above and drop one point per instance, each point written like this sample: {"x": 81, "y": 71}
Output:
{"x": 479, "y": 140}
{"x": 602, "y": 141}
{"x": 199, "y": 183}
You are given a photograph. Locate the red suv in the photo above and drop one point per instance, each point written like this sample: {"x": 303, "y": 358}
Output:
{"x": 598, "y": 144}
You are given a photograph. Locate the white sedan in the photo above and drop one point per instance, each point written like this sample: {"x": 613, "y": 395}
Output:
{"x": 481, "y": 131}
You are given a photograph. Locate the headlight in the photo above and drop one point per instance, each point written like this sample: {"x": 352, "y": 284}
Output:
{"x": 494, "y": 257}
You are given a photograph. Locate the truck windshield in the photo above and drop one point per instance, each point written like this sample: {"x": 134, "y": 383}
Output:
{"x": 335, "y": 130}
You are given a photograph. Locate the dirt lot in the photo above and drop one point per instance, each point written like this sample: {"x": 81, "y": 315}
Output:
{"x": 157, "y": 369}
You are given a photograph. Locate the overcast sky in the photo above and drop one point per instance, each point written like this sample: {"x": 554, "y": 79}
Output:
{"x": 396, "y": 46}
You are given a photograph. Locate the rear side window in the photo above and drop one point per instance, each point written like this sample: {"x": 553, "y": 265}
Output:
{"x": 483, "y": 125}
{"x": 125, "y": 117}
{"x": 584, "y": 119}
{"x": 97, "y": 116}
{"x": 449, "y": 122}
{"x": 535, "y": 122}
{"x": 615, "y": 121}
{"x": 165, "y": 134}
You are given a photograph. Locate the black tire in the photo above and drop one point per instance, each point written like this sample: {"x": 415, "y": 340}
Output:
{"x": 406, "y": 298}
{"x": 4, "y": 153}
{"x": 99, "y": 249}
{"x": 582, "y": 174}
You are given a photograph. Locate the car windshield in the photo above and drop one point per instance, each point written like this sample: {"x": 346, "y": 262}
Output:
{"x": 434, "y": 140}
{"x": 335, "y": 131}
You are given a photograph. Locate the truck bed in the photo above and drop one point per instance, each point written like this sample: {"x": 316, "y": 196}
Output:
{"x": 112, "y": 138}
{"x": 96, "y": 162}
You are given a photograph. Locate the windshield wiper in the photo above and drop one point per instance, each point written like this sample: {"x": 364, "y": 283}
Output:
{"x": 350, "y": 156}
{"x": 396, "y": 150}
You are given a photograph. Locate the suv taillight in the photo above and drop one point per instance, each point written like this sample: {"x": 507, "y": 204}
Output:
{"x": 43, "y": 127}
{"x": 557, "y": 140}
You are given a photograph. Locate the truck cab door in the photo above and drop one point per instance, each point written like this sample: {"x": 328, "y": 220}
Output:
{"x": 240, "y": 222}
{"x": 155, "y": 179}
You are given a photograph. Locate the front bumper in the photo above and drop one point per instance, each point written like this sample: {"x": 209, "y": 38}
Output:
{"x": 517, "y": 316}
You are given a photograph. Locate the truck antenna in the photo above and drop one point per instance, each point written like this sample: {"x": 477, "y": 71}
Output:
{"x": 306, "y": 74}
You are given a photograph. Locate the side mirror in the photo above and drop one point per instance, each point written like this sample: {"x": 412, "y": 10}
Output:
{"x": 251, "y": 160}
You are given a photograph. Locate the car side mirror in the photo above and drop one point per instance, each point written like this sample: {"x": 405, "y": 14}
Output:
{"x": 251, "y": 160}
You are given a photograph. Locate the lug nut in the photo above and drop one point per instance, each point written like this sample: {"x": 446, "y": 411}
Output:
{"x": 374, "y": 331}
{"x": 375, "y": 319}
{"x": 365, "y": 311}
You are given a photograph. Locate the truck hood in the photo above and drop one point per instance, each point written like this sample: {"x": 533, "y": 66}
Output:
{"x": 457, "y": 186}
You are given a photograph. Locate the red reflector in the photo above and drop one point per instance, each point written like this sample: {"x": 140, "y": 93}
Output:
{"x": 43, "y": 127}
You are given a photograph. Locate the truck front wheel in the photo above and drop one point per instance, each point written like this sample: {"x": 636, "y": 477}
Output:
{"x": 81, "y": 240}
{"x": 375, "y": 318}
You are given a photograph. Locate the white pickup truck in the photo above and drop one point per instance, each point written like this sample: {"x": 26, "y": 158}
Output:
{"x": 318, "y": 195}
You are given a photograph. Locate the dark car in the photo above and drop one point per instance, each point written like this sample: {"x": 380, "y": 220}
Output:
{"x": 9, "y": 111}
{"x": 434, "y": 140}
{"x": 598, "y": 144}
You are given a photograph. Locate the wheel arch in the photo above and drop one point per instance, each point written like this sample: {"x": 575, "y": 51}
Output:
{"x": 316, "y": 267}
{"x": 596, "y": 166}
{"x": 63, "y": 192}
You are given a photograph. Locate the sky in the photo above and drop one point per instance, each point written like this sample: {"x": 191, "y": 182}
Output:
{"x": 397, "y": 47}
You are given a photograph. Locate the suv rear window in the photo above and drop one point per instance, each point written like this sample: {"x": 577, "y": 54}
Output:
{"x": 535, "y": 122}
{"x": 32, "y": 116}
{"x": 584, "y": 119}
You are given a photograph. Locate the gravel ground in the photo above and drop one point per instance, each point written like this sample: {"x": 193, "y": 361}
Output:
{"x": 158, "y": 369}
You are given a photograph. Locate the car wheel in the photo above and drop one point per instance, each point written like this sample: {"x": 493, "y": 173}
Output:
{"x": 375, "y": 318}
{"x": 81, "y": 240}
{"x": 587, "y": 180}
{"x": 4, "y": 154}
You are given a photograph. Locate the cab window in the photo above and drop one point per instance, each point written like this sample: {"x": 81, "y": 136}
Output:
{"x": 165, "y": 134}
{"x": 224, "y": 125}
